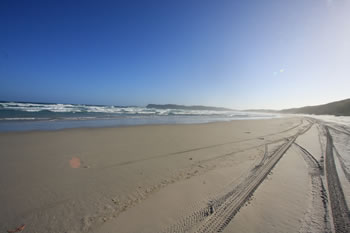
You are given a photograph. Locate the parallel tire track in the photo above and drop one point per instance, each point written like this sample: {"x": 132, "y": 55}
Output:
{"x": 198, "y": 148}
{"x": 342, "y": 130}
{"x": 224, "y": 214}
{"x": 315, "y": 171}
{"x": 343, "y": 165}
{"x": 340, "y": 157}
{"x": 220, "y": 211}
{"x": 340, "y": 211}
{"x": 187, "y": 223}
{"x": 310, "y": 159}
{"x": 265, "y": 157}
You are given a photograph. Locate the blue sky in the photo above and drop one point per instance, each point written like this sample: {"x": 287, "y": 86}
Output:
{"x": 239, "y": 54}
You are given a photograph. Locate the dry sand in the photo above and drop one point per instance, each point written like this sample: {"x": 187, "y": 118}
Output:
{"x": 169, "y": 178}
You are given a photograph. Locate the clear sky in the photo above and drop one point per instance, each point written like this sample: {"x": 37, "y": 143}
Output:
{"x": 239, "y": 54}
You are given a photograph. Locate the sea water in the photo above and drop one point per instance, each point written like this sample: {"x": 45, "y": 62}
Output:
{"x": 19, "y": 116}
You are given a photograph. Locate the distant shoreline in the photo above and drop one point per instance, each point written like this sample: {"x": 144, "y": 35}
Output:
{"x": 185, "y": 107}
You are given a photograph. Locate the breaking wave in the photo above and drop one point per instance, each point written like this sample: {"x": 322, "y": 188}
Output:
{"x": 17, "y": 111}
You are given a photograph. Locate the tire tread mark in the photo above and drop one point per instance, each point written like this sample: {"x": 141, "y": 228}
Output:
{"x": 197, "y": 149}
{"x": 309, "y": 156}
{"x": 313, "y": 165}
{"x": 222, "y": 217}
{"x": 224, "y": 203}
{"x": 343, "y": 165}
{"x": 340, "y": 211}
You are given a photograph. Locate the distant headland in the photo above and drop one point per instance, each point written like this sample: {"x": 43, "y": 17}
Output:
{"x": 337, "y": 108}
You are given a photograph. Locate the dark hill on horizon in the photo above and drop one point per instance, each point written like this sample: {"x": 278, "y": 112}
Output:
{"x": 338, "y": 108}
{"x": 196, "y": 107}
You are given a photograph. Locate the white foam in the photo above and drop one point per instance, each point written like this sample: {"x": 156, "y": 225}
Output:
{"x": 19, "y": 119}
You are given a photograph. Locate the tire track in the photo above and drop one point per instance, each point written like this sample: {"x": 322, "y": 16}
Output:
{"x": 242, "y": 150}
{"x": 342, "y": 130}
{"x": 219, "y": 212}
{"x": 322, "y": 141}
{"x": 343, "y": 165}
{"x": 187, "y": 223}
{"x": 313, "y": 222}
{"x": 264, "y": 158}
{"x": 309, "y": 158}
{"x": 340, "y": 157}
{"x": 198, "y": 148}
{"x": 340, "y": 211}
{"x": 197, "y": 168}
{"x": 225, "y": 213}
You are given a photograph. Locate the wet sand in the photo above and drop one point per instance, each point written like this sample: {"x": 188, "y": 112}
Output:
{"x": 167, "y": 178}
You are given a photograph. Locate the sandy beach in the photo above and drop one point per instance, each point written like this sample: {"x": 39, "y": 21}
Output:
{"x": 289, "y": 174}
{"x": 175, "y": 116}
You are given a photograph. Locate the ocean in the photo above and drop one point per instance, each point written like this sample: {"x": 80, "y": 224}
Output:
{"x": 25, "y": 116}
